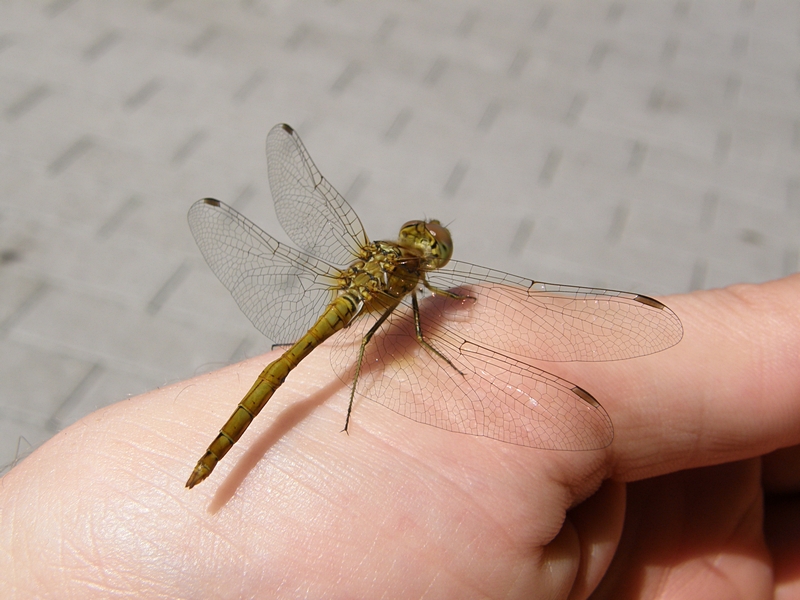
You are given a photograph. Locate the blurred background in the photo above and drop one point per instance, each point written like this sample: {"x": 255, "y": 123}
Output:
{"x": 647, "y": 146}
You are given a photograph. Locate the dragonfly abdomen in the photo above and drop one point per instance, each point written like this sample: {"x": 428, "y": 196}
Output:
{"x": 336, "y": 317}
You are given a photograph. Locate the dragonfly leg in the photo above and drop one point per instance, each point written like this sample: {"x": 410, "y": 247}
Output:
{"x": 422, "y": 341}
{"x": 437, "y": 292}
{"x": 365, "y": 340}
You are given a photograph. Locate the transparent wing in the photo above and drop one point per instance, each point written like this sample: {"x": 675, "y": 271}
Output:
{"x": 487, "y": 393}
{"x": 478, "y": 380}
{"x": 490, "y": 389}
{"x": 553, "y": 322}
{"x": 313, "y": 214}
{"x": 282, "y": 291}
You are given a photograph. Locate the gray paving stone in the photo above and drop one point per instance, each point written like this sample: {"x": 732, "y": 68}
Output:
{"x": 99, "y": 387}
{"x": 34, "y": 382}
{"x": 645, "y": 145}
{"x": 19, "y": 440}
{"x": 102, "y": 330}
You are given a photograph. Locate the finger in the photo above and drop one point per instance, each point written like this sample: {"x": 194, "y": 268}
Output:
{"x": 598, "y": 522}
{"x": 693, "y": 534}
{"x": 296, "y": 505}
{"x": 782, "y": 531}
{"x": 729, "y": 390}
{"x": 781, "y": 471}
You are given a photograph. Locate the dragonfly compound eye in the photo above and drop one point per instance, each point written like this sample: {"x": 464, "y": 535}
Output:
{"x": 429, "y": 237}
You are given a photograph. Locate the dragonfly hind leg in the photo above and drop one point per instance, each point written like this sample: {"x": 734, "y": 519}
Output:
{"x": 418, "y": 329}
{"x": 420, "y": 339}
{"x": 364, "y": 341}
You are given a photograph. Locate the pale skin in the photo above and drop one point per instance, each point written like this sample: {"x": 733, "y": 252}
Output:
{"x": 397, "y": 509}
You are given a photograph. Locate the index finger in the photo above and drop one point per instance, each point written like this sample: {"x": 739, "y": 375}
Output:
{"x": 729, "y": 390}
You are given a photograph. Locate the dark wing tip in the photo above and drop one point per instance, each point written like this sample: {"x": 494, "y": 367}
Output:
{"x": 585, "y": 396}
{"x": 652, "y": 302}
{"x": 211, "y": 201}
{"x": 286, "y": 128}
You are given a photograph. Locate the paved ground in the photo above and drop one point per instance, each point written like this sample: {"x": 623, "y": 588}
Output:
{"x": 653, "y": 146}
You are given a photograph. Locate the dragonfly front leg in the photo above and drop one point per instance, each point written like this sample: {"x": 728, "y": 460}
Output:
{"x": 437, "y": 292}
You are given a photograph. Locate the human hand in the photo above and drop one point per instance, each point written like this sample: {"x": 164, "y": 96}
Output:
{"x": 397, "y": 509}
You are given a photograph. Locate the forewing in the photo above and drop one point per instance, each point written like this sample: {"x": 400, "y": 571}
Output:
{"x": 282, "y": 291}
{"x": 313, "y": 214}
{"x": 482, "y": 392}
{"x": 552, "y": 322}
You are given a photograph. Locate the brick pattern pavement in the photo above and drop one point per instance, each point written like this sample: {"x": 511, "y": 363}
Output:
{"x": 653, "y": 146}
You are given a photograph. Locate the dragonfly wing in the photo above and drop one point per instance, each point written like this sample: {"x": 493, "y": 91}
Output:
{"x": 486, "y": 394}
{"x": 313, "y": 214}
{"x": 282, "y": 291}
{"x": 553, "y": 322}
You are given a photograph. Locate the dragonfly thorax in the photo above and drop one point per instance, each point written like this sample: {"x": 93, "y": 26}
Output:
{"x": 431, "y": 239}
{"x": 384, "y": 269}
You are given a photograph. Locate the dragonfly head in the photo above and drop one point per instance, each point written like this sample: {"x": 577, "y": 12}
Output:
{"x": 431, "y": 238}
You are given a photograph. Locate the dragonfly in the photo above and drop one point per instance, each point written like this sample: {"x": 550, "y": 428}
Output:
{"x": 410, "y": 328}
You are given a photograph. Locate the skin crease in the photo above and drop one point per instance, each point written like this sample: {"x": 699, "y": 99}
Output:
{"x": 398, "y": 509}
